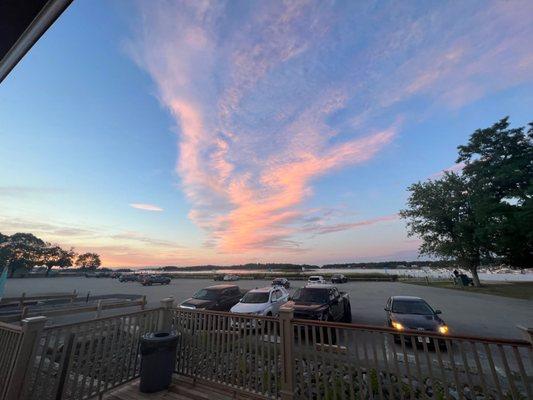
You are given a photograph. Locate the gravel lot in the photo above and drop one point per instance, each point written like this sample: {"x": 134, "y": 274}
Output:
{"x": 465, "y": 313}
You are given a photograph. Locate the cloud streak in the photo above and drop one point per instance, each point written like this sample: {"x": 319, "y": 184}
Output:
{"x": 145, "y": 207}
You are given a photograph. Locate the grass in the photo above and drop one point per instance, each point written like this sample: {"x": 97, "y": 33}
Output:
{"x": 517, "y": 290}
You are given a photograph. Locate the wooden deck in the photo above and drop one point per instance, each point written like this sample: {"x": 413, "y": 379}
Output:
{"x": 182, "y": 388}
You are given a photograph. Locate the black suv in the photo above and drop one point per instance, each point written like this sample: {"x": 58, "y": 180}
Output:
{"x": 323, "y": 303}
{"x": 217, "y": 297}
{"x": 339, "y": 278}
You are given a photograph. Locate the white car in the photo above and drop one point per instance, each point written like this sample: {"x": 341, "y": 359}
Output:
{"x": 230, "y": 278}
{"x": 316, "y": 279}
{"x": 262, "y": 301}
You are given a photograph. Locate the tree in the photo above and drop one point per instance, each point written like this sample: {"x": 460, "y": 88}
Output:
{"x": 441, "y": 214}
{"x": 499, "y": 166}
{"x": 20, "y": 251}
{"x": 88, "y": 261}
{"x": 55, "y": 256}
{"x": 485, "y": 213}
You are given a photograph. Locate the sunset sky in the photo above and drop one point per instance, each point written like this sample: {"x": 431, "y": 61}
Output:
{"x": 184, "y": 133}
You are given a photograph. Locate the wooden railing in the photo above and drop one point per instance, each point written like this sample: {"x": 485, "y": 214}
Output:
{"x": 97, "y": 308}
{"x": 262, "y": 357}
{"x": 10, "y": 337}
{"x": 344, "y": 361}
{"x": 240, "y": 351}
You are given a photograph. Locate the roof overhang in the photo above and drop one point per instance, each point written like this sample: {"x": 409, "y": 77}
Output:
{"x": 22, "y": 23}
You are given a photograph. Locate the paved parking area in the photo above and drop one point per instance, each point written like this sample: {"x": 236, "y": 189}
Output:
{"x": 466, "y": 313}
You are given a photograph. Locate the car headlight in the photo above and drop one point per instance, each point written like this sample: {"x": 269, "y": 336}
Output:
{"x": 187, "y": 307}
{"x": 397, "y": 326}
{"x": 443, "y": 329}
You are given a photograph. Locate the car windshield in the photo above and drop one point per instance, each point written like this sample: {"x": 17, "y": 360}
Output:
{"x": 206, "y": 294}
{"x": 255, "y": 297}
{"x": 411, "y": 307}
{"x": 314, "y": 278}
{"x": 307, "y": 295}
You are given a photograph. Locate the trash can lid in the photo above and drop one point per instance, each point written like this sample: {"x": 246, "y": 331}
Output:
{"x": 160, "y": 337}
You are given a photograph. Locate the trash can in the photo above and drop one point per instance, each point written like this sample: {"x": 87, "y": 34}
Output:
{"x": 158, "y": 358}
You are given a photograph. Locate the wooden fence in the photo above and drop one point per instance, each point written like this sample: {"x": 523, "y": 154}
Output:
{"x": 302, "y": 359}
{"x": 262, "y": 357}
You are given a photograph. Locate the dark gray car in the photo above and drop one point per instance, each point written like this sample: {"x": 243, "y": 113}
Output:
{"x": 413, "y": 313}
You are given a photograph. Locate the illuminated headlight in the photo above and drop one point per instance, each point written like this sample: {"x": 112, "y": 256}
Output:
{"x": 187, "y": 307}
{"x": 397, "y": 326}
{"x": 443, "y": 329}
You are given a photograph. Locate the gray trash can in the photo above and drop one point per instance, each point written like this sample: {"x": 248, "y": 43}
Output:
{"x": 158, "y": 358}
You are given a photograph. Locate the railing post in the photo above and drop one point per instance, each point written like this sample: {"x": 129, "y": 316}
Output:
{"x": 286, "y": 336}
{"x": 31, "y": 334}
{"x": 527, "y": 333}
{"x": 165, "y": 314}
{"x": 98, "y": 309}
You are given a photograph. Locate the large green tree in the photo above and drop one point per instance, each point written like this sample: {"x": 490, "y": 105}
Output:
{"x": 499, "y": 166}
{"x": 486, "y": 212}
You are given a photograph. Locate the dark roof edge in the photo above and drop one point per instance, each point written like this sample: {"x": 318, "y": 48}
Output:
{"x": 46, "y": 17}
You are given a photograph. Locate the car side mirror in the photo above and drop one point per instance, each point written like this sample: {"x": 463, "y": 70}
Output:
{"x": 438, "y": 312}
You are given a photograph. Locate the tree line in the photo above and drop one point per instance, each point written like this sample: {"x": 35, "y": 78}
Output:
{"x": 484, "y": 212}
{"x": 21, "y": 252}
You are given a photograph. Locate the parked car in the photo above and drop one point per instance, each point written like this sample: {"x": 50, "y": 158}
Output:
{"x": 414, "y": 313}
{"x": 218, "y": 297}
{"x": 115, "y": 275}
{"x": 281, "y": 282}
{"x": 316, "y": 279}
{"x": 322, "y": 302}
{"x": 230, "y": 278}
{"x": 339, "y": 278}
{"x": 99, "y": 274}
{"x": 218, "y": 277}
{"x": 128, "y": 278}
{"x": 262, "y": 301}
{"x": 150, "y": 280}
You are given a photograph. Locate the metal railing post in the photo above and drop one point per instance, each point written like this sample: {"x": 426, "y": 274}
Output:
{"x": 286, "y": 336}
{"x": 165, "y": 314}
{"x": 31, "y": 333}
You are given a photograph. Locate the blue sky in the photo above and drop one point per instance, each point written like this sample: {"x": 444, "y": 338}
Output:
{"x": 226, "y": 132}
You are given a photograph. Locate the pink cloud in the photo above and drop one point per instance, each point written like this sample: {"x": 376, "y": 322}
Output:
{"x": 245, "y": 185}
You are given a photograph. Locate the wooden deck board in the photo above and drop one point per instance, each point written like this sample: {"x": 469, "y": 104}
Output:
{"x": 182, "y": 388}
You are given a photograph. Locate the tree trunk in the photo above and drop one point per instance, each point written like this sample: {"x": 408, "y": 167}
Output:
{"x": 475, "y": 276}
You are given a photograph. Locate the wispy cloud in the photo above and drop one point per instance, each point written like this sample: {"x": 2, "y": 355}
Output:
{"x": 321, "y": 229}
{"x": 140, "y": 238}
{"x": 26, "y": 191}
{"x": 145, "y": 207}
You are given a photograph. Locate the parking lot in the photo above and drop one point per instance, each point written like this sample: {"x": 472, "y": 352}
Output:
{"x": 465, "y": 313}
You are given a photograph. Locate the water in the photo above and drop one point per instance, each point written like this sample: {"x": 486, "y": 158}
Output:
{"x": 436, "y": 273}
